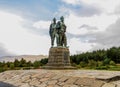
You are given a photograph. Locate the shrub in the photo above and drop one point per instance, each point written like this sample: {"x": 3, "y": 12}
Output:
{"x": 1, "y": 69}
{"x": 74, "y": 64}
{"x": 92, "y": 63}
{"x": 36, "y": 64}
{"x": 5, "y": 67}
{"x": 78, "y": 66}
{"x": 44, "y": 61}
{"x": 99, "y": 63}
{"x": 102, "y": 67}
{"x": 112, "y": 63}
{"x": 106, "y": 61}
{"x": 12, "y": 66}
{"x": 83, "y": 64}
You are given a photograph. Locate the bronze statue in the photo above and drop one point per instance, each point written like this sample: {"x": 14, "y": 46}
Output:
{"x": 53, "y": 32}
{"x": 61, "y": 32}
{"x": 58, "y": 30}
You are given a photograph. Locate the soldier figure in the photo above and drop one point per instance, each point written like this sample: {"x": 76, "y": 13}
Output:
{"x": 58, "y": 31}
{"x": 53, "y": 32}
{"x": 61, "y": 32}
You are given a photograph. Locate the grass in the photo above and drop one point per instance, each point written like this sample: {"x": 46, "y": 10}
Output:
{"x": 106, "y": 67}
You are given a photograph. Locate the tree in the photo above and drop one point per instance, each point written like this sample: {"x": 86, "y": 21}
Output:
{"x": 16, "y": 63}
{"x": 44, "y": 61}
{"x": 22, "y": 63}
{"x": 106, "y": 61}
{"x": 36, "y": 64}
{"x": 29, "y": 64}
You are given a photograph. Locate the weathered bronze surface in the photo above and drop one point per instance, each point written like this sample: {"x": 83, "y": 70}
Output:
{"x": 57, "y": 30}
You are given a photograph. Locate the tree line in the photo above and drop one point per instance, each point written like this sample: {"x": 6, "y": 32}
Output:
{"x": 98, "y": 59}
{"x": 22, "y": 64}
{"x": 99, "y": 55}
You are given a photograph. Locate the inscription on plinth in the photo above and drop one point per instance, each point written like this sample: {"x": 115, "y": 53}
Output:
{"x": 59, "y": 57}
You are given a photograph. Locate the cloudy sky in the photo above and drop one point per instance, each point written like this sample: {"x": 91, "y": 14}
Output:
{"x": 91, "y": 25}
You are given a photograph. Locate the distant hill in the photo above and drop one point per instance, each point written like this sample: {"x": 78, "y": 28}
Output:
{"x": 31, "y": 58}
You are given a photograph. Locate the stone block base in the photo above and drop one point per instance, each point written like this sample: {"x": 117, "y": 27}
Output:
{"x": 59, "y": 57}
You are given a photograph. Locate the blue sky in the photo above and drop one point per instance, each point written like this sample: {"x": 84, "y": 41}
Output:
{"x": 91, "y": 25}
{"x": 37, "y": 9}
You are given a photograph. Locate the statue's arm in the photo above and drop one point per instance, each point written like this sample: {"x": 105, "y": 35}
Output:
{"x": 50, "y": 29}
{"x": 65, "y": 28}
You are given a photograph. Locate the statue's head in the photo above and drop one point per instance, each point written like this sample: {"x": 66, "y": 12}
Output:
{"x": 62, "y": 18}
{"x": 54, "y": 20}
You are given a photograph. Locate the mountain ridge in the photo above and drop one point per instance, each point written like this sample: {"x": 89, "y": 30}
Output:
{"x": 31, "y": 58}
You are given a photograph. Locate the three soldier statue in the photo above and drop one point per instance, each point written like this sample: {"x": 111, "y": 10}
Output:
{"x": 57, "y": 30}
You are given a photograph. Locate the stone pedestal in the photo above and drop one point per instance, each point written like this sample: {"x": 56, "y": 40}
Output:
{"x": 59, "y": 58}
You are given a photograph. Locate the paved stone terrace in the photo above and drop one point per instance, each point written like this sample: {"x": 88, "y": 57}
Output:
{"x": 59, "y": 78}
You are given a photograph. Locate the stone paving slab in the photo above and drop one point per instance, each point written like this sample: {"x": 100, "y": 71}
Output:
{"x": 60, "y": 78}
{"x": 109, "y": 85}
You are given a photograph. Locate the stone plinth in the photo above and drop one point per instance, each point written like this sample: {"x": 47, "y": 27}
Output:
{"x": 59, "y": 57}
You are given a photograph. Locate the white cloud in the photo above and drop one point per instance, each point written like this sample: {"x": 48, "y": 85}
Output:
{"x": 101, "y": 22}
{"x": 76, "y": 45}
{"x": 108, "y": 6}
{"x": 62, "y": 11}
{"x": 17, "y": 39}
{"x": 73, "y": 2}
{"x": 4, "y": 51}
{"x": 108, "y": 38}
{"x": 42, "y": 24}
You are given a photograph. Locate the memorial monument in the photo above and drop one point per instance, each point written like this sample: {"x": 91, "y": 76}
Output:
{"x": 59, "y": 55}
